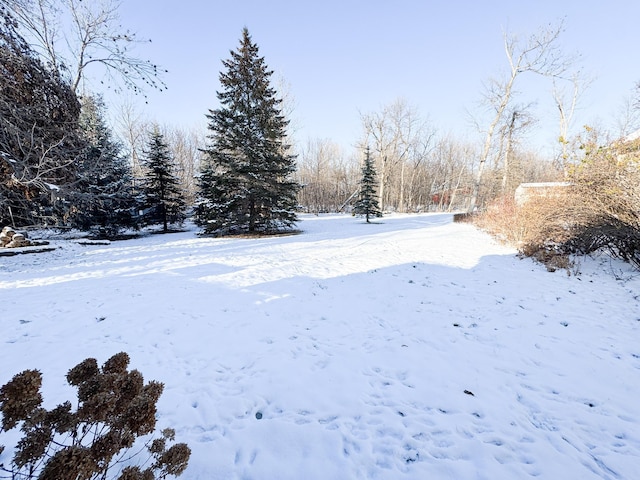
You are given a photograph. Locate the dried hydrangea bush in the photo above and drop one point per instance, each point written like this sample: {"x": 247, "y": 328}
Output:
{"x": 99, "y": 440}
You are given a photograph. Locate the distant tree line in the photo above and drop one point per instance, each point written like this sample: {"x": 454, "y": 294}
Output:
{"x": 418, "y": 170}
{"x": 61, "y": 164}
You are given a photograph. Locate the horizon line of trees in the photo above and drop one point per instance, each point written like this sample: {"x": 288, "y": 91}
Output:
{"x": 61, "y": 164}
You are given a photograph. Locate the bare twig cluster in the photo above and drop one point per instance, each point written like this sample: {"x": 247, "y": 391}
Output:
{"x": 600, "y": 210}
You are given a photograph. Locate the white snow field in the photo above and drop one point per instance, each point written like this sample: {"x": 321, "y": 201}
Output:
{"x": 414, "y": 348}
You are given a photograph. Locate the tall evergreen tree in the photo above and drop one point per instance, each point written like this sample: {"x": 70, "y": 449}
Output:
{"x": 163, "y": 197}
{"x": 102, "y": 198}
{"x": 245, "y": 183}
{"x": 367, "y": 203}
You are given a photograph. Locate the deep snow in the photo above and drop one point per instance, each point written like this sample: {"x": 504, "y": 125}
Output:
{"x": 413, "y": 348}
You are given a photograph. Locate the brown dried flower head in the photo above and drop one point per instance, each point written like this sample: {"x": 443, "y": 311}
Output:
{"x": 20, "y": 397}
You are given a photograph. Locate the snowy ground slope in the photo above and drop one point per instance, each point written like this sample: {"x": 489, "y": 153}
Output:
{"x": 356, "y": 343}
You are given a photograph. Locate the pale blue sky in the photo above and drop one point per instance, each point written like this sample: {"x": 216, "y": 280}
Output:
{"x": 346, "y": 57}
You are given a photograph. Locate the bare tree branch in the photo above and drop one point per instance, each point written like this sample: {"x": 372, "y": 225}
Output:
{"x": 539, "y": 54}
{"x": 566, "y": 93}
{"x": 94, "y": 38}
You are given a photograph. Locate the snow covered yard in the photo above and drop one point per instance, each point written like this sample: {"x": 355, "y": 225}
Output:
{"x": 414, "y": 348}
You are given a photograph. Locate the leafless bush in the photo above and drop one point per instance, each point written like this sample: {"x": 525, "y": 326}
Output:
{"x": 599, "y": 211}
{"x": 116, "y": 411}
{"x": 509, "y": 223}
{"x": 603, "y": 211}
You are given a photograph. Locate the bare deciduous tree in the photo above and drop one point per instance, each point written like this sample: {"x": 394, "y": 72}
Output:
{"x": 396, "y": 133}
{"x": 288, "y": 107}
{"x": 328, "y": 180}
{"x": 628, "y": 119}
{"x": 450, "y": 174}
{"x": 566, "y": 93}
{"x": 517, "y": 120}
{"x": 132, "y": 129}
{"x": 92, "y": 36}
{"x": 185, "y": 146}
{"x": 539, "y": 54}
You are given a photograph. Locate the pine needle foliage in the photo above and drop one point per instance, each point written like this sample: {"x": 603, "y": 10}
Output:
{"x": 101, "y": 439}
{"x": 101, "y": 199}
{"x": 246, "y": 181}
{"x": 163, "y": 198}
{"x": 367, "y": 203}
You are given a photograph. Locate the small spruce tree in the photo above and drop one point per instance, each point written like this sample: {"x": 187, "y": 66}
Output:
{"x": 367, "y": 203}
{"x": 163, "y": 199}
{"x": 245, "y": 183}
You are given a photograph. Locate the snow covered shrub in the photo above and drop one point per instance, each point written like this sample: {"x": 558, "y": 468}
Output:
{"x": 116, "y": 415}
